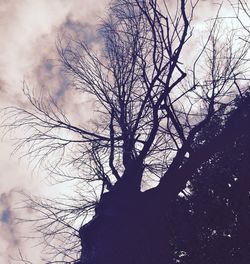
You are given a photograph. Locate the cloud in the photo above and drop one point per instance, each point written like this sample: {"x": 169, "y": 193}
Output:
{"x": 23, "y": 25}
{"x": 8, "y": 229}
{"x": 14, "y": 233}
{"x": 29, "y": 29}
{"x": 28, "y": 32}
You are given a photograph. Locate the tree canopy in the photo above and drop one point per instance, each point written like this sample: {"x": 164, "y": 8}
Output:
{"x": 164, "y": 116}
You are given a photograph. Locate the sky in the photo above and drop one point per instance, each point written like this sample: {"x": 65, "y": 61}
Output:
{"x": 29, "y": 30}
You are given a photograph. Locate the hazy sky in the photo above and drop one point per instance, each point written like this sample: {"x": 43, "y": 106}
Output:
{"x": 28, "y": 32}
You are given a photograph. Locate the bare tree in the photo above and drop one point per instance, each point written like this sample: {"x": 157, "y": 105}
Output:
{"x": 150, "y": 107}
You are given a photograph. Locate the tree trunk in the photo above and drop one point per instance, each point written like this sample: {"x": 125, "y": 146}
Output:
{"x": 130, "y": 230}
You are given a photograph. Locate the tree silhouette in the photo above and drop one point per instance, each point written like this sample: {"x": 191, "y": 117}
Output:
{"x": 216, "y": 209}
{"x": 154, "y": 127}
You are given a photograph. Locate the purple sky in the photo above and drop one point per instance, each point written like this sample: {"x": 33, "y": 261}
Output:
{"x": 28, "y": 31}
